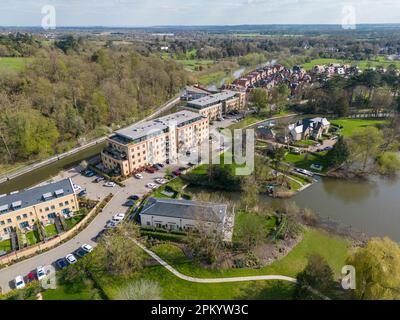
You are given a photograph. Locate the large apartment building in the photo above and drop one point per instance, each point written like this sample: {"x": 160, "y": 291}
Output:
{"x": 134, "y": 148}
{"x": 44, "y": 203}
{"x": 215, "y": 105}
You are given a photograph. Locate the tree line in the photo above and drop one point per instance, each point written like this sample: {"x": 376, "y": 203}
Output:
{"x": 75, "y": 90}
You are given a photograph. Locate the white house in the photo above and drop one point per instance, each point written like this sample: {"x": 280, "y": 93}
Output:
{"x": 184, "y": 215}
{"x": 309, "y": 129}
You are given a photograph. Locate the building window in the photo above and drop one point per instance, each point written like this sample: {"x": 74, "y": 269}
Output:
{"x": 66, "y": 203}
{"x": 47, "y": 209}
{"x": 18, "y": 218}
{"x": 60, "y": 204}
{"x": 2, "y": 222}
{"x": 9, "y": 221}
{"x": 25, "y": 216}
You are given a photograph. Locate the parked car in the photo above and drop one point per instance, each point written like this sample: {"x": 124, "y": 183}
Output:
{"x": 151, "y": 185}
{"x": 89, "y": 173}
{"x": 80, "y": 253}
{"x": 118, "y": 217}
{"x": 150, "y": 170}
{"x": 161, "y": 165}
{"x": 138, "y": 176}
{"x": 76, "y": 187}
{"x": 160, "y": 181}
{"x": 19, "y": 282}
{"x": 134, "y": 197}
{"x": 40, "y": 273}
{"x": 111, "y": 224}
{"x": 82, "y": 193}
{"x": 129, "y": 203}
{"x": 71, "y": 258}
{"x": 110, "y": 184}
{"x": 99, "y": 179}
{"x": 156, "y": 167}
{"x": 31, "y": 276}
{"x": 177, "y": 173}
{"x": 87, "y": 247}
{"x": 182, "y": 169}
{"x": 61, "y": 263}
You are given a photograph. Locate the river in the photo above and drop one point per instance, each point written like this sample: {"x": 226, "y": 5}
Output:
{"x": 371, "y": 207}
{"x": 44, "y": 173}
{"x": 234, "y": 74}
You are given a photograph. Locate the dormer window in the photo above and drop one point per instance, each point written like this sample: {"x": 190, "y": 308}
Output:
{"x": 46, "y": 196}
{"x": 16, "y": 205}
{"x": 59, "y": 192}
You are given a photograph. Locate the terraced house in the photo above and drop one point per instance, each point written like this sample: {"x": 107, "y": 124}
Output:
{"x": 215, "y": 105}
{"x": 44, "y": 203}
{"x": 134, "y": 148}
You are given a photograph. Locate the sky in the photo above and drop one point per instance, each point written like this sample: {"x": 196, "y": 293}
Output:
{"x": 198, "y": 12}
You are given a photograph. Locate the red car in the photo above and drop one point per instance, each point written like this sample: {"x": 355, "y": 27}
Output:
{"x": 177, "y": 173}
{"x": 150, "y": 170}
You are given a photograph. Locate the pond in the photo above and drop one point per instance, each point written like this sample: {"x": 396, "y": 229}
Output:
{"x": 372, "y": 206}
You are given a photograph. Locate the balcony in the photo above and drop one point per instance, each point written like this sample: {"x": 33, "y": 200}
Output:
{"x": 117, "y": 155}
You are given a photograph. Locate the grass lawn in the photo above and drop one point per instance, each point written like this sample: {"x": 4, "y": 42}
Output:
{"x": 362, "y": 64}
{"x": 351, "y": 125}
{"x": 268, "y": 222}
{"x": 66, "y": 292}
{"x": 176, "y": 184}
{"x": 74, "y": 220}
{"x": 32, "y": 237}
{"x": 13, "y": 64}
{"x": 305, "y": 160}
{"x": 334, "y": 249}
{"x": 5, "y": 245}
{"x": 50, "y": 230}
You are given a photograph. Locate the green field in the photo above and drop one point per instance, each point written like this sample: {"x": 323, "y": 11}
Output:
{"x": 305, "y": 160}
{"x": 379, "y": 61}
{"x": 351, "y": 125}
{"x": 13, "y": 64}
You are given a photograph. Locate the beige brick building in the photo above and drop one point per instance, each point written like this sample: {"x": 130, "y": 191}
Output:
{"x": 44, "y": 203}
{"x": 134, "y": 148}
{"x": 215, "y": 105}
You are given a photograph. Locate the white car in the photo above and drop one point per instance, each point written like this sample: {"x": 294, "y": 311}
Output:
{"x": 138, "y": 176}
{"x": 40, "y": 273}
{"x": 160, "y": 181}
{"x": 118, "y": 217}
{"x": 76, "y": 187}
{"x": 87, "y": 247}
{"x": 151, "y": 185}
{"x": 71, "y": 258}
{"x": 110, "y": 184}
{"x": 19, "y": 282}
